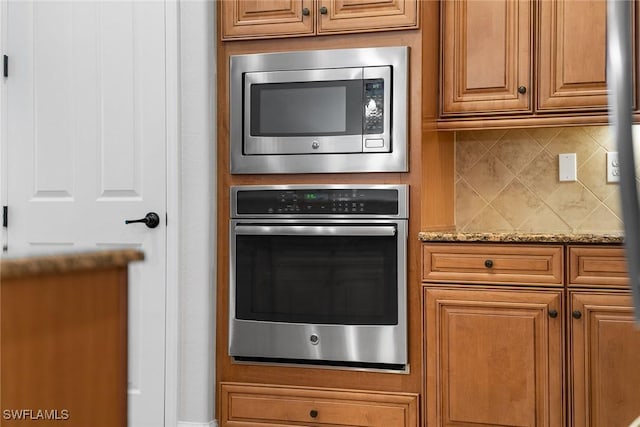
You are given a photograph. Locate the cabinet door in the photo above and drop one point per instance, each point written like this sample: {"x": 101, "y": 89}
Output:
{"x": 493, "y": 357}
{"x": 245, "y": 19}
{"x": 486, "y": 56}
{"x": 367, "y": 15}
{"x": 605, "y": 360}
{"x": 573, "y": 60}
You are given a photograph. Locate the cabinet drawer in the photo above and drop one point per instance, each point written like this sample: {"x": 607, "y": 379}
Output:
{"x": 489, "y": 263}
{"x": 597, "y": 266}
{"x": 253, "y": 404}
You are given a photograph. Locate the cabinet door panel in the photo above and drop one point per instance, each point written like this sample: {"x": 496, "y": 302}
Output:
{"x": 361, "y": 15}
{"x": 265, "y": 18}
{"x": 605, "y": 360}
{"x": 572, "y": 63}
{"x": 486, "y": 56}
{"x": 493, "y": 358}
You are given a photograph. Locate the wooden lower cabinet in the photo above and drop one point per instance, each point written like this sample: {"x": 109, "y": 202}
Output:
{"x": 249, "y": 405}
{"x": 493, "y": 357}
{"x": 604, "y": 359}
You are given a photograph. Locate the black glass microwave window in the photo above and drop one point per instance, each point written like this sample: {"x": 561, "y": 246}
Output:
{"x": 348, "y": 280}
{"x": 307, "y": 108}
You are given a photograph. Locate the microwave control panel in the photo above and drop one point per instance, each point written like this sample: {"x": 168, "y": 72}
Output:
{"x": 324, "y": 202}
{"x": 373, "y": 106}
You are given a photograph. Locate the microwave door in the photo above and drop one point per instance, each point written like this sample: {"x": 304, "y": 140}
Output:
{"x": 303, "y": 111}
{"x": 619, "y": 80}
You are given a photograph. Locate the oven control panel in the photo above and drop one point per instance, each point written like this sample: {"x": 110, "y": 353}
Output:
{"x": 334, "y": 201}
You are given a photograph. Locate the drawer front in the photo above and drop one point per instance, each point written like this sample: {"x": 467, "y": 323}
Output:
{"x": 597, "y": 266}
{"x": 250, "y": 404}
{"x": 492, "y": 263}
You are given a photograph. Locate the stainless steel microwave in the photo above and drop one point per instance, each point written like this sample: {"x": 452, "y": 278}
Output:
{"x": 319, "y": 111}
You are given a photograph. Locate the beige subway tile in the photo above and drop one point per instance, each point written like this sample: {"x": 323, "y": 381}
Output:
{"x": 468, "y": 152}
{"x": 489, "y": 220}
{"x": 541, "y": 175}
{"x": 543, "y": 135}
{"x": 573, "y": 140}
{"x": 601, "y": 220}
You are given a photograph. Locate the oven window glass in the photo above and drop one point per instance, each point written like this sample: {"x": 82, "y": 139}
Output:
{"x": 349, "y": 280}
{"x": 307, "y": 108}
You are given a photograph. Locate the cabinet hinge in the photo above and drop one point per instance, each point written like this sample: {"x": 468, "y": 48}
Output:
{"x": 6, "y": 66}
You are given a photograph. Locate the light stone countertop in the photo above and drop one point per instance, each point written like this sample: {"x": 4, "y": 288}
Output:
{"x": 14, "y": 264}
{"x": 520, "y": 237}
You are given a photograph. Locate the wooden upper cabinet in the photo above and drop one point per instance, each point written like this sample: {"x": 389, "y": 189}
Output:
{"x": 554, "y": 51}
{"x": 486, "y": 58}
{"x": 367, "y": 15}
{"x": 573, "y": 58}
{"x": 251, "y": 19}
{"x": 266, "y": 18}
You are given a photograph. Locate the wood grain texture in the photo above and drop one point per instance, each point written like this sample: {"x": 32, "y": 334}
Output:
{"x": 515, "y": 264}
{"x": 572, "y": 55}
{"x": 266, "y": 18}
{"x": 493, "y": 357}
{"x": 597, "y": 266}
{"x": 64, "y": 348}
{"x": 486, "y": 56}
{"x": 262, "y": 19}
{"x": 278, "y": 405}
{"x": 604, "y": 346}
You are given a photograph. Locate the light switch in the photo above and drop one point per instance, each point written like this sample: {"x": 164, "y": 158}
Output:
{"x": 567, "y": 167}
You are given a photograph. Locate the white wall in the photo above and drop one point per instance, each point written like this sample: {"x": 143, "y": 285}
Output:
{"x": 196, "y": 377}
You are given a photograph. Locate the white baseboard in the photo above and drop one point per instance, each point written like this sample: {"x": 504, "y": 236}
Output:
{"x": 213, "y": 423}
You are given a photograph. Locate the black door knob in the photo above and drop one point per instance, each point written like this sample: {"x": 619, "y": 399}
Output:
{"x": 324, "y": 10}
{"x": 151, "y": 220}
{"x": 522, "y": 90}
{"x": 553, "y": 313}
{"x": 305, "y": 11}
{"x": 313, "y": 413}
{"x": 488, "y": 263}
{"x": 576, "y": 314}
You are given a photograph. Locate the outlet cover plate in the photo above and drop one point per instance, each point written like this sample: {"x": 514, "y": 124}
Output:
{"x": 567, "y": 167}
{"x": 613, "y": 167}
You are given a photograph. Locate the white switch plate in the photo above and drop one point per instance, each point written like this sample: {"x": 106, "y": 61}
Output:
{"x": 567, "y": 167}
{"x": 613, "y": 168}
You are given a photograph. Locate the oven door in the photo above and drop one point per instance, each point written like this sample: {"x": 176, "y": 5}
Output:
{"x": 330, "y": 291}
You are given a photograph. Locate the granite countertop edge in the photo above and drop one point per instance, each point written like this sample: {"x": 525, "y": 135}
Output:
{"x": 520, "y": 237}
{"x": 30, "y": 264}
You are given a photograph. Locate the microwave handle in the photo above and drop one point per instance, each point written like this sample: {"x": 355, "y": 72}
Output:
{"x": 316, "y": 230}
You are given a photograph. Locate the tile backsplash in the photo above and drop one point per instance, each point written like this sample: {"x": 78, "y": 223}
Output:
{"x": 507, "y": 180}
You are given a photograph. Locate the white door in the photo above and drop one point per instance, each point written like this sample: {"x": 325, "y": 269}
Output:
{"x": 86, "y": 136}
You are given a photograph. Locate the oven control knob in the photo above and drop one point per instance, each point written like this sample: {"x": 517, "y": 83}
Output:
{"x": 315, "y": 145}
{"x": 315, "y": 340}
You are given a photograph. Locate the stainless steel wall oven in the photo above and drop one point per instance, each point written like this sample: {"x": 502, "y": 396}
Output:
{"x": 318, "y": 275}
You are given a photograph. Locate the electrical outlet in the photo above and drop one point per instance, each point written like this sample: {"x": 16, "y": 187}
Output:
{"x": 567, "y": 167}
{"x": 613, "y": 167}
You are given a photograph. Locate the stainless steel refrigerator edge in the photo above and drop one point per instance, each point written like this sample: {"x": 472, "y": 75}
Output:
{"x": 619, "y": 80}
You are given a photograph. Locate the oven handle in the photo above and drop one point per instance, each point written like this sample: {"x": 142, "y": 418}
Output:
{"x": 316, "y": 230}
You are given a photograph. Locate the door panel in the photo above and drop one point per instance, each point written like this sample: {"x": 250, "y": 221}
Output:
{"x": 493, "y": 358}
{"x": 605, "y": 357}
{"x": 573, "y": 62}
{"x": 486, "y": 56}
{"x": 86, "y": 150}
